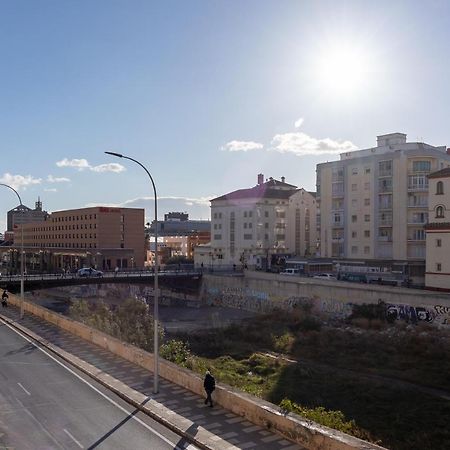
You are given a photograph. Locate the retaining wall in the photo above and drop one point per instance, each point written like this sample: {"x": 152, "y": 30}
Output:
{"x": 264, "y": 292}
{"x": 306, "y": 433}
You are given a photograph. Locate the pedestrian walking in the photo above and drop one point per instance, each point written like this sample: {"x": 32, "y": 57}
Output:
{"x": 209, "y": 384}
{"x": 5, "y": 298}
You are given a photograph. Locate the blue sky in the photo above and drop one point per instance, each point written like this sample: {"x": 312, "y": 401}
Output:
{"x": 207, "y": 94}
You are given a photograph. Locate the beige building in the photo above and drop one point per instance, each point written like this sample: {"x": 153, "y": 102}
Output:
{"x": 100, "y": 236}
{"x": 437, "y": 275}
{"x": 252, "y": 226}
{"x": 374, "y": 203}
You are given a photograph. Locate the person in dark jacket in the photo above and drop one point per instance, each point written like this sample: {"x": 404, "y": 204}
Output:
{"x": 209, "y": 384}
{"x": 5, "y": 298}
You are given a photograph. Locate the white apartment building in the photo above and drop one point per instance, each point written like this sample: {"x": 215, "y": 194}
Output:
{"x": 374, "y": 203}
{"x": 250, "y": 226}
{"x": 437, "y": 275}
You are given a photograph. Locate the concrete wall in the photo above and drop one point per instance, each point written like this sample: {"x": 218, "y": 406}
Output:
{"x": 264, "y": 292}
{"x": 260, "y": 412}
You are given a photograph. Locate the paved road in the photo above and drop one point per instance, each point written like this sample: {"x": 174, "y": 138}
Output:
{"x": 44, "y": 404}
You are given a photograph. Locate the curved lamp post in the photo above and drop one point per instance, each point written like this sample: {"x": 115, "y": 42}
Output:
{"x": 21, "y": 254}
{"x": 155, "y": 311}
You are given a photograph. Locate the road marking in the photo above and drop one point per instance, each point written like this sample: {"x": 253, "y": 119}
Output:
{"x": 39, "y": 423}
{"x": 20, "y": 384}
{"x": 176, "y": 447}
{"x": 73, "y": 439}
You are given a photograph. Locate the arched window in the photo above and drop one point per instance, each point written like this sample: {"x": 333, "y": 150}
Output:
{"x": 439, "y": 188}
{"x": 440, "y": 212}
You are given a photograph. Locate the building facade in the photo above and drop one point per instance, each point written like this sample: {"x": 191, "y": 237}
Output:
{"x": 102, "y": 237}
{"x": 437, "y": 275}
{"x": 374, "y": 203}
{"x": 23, "y": 214}
{"x": 252, "y": 226}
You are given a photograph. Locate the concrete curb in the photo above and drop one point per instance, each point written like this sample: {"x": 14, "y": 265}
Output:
{"x": 145, "y": 404}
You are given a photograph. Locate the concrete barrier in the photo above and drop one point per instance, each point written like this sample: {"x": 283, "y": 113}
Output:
{"x": 304, "y": 432}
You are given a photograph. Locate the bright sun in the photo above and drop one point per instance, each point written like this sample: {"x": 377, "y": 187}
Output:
{"x": 342, "y": 70}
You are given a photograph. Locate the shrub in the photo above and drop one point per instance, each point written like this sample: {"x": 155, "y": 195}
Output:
{"x": 331, "y": 419}
{"x": 176, "y": 351}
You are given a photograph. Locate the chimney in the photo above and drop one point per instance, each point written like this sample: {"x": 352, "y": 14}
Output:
{"x": 260, "y": 178}
{"x": 282, "y": 179}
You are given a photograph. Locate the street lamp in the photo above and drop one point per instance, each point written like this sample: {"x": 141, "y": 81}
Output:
{"x": 156, "y": 299}
{"x": 21, "y": 254}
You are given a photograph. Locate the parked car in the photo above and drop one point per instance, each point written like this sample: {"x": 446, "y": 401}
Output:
{"x": 88, "y": 272}
{"x": 325, "y": 276}
{"x": 290, "y": 272}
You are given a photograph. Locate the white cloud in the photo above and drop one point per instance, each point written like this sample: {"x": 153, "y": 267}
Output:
{"x": 19, "y": 181}
{"x": 52, "y": 179}
{"x": 82, "y": 164}
{"x": 51, "y": 190}
{"x": 302, "y": 144}
{"x": 298, "y": 123}
{"x": 241, "y": 146}
{"x": 110, "y": 167}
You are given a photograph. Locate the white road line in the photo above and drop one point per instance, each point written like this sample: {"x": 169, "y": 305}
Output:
{"x": 73, "y": 439}
{"x": 39, "y": 423}
{"x": 176, "y": 447}
{"x": 20, "y": 384}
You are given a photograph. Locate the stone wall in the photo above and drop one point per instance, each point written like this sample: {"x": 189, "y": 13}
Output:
{"x": 264, "y": 292}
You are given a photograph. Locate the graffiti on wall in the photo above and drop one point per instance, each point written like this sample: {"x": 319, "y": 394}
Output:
{"x": 437, "y": 314}
{"x": 336, "y": 308}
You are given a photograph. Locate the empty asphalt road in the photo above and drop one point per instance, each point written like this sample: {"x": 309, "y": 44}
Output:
{"x": 46, "y": 404}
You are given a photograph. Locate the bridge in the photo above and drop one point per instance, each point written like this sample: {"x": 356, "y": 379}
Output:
{"x": 174, "y": 279}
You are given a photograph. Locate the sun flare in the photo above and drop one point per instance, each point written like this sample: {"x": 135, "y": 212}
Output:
{"x": 342, "y": 70}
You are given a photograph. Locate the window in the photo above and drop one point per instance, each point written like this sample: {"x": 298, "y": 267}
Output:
{"x": 355, "y": 171}
{"x": 266, "y": 213}
{"x": 354, "y": 234}
{"x": 438, "y": 267}
{"x": 245, "y": 224}
{"x": 266, "y": 225}
{"x": 245, "y": 215}
{"x": 218, "y": 237}
{"x": 366, "y": 250}
{"x": 367, "y": 233}
{"x": 250, "y": 225}
{"x": 440, "y": 212}
{"x": 438, "y": 242}
{"x": 421, "y": 166}
{"x": 354, "y": 218}
{"x": 439, "y": 188}
{"x": 366, "y": 170}
{"x": 354, "y": 187}
{"x": 354, "y": 202}
{"x": 366, "y": 217}
{"x": 248, "y": 237}
{"x": 385, "y": 168}
{"x": 367, "y": 202}
{"x": 354, "y": 249}
{"x": 250, "y": 213}
{"x": 367, "y": 185}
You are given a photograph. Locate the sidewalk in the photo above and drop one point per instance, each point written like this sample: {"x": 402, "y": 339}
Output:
{"x": 217, "y": 423}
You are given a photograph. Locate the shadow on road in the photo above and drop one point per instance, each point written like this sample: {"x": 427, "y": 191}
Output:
{"x": 120, "y": 424}
{"x": 27, "y": 349}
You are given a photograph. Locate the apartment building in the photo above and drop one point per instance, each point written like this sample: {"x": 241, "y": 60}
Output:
{"x": 437, "y": 275}
{"x": 252, "y": 226}
{"x": 374, "y": 203}
{"x": 99, "y": 236}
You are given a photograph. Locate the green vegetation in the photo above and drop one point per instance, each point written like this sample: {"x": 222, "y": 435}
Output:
{"x": 332, "y": 419}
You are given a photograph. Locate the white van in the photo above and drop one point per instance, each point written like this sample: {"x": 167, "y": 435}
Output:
{"x": 290, "y": 272}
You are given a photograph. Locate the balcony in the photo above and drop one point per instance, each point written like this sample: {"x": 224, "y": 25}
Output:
{"x": 418, "y": 187}
{"x": 385, "y": 223}
{"x": 338, "y": 224}
{"x": 384, "y": 238}
{"x": 385, "y": 173}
